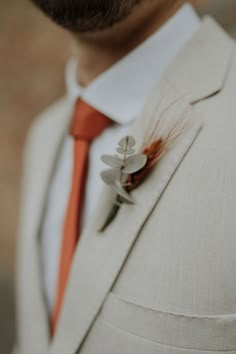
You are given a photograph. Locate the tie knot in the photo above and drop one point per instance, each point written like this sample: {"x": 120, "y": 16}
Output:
{"x": 87, "y": 122}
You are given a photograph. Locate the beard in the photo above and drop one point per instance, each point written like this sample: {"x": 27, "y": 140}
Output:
{"x": 83, "y": 16}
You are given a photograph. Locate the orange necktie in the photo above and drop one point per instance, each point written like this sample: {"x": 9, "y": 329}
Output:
{"x": 87, "y": 124}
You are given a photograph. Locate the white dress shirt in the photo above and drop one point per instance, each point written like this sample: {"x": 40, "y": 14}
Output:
{"x": 120, "y": 93}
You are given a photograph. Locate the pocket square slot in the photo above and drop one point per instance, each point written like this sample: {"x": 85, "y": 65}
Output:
{"x": 213, "y": 333}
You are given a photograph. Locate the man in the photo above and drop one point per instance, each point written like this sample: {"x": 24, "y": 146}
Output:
{"x": 160, "y": 277}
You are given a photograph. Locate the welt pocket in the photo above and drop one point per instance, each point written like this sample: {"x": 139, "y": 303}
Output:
{"x": 212, "y": 333}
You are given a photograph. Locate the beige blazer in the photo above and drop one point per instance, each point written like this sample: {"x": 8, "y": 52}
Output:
{"x": 161, "y": 279}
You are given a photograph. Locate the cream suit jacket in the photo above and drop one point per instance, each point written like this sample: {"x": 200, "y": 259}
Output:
{"x": 161, "y": 278}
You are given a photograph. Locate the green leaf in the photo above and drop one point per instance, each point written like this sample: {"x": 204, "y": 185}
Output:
{"x": 118, "y": 189}
{"x": 128, "y": 152}
{"x": 135, "y": 163}
{"x": 127, "y": 142}
{"x": 124, "y": 177}
{"x": 110, "y": 176}
{"x": 112, "y": 161}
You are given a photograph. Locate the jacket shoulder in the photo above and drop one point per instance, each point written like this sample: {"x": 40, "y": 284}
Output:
{"x": 46, "y": 119}
{"x": 43, "y": 129}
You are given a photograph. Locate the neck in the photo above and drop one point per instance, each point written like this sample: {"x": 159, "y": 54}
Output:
{"x": 97, "y": 52}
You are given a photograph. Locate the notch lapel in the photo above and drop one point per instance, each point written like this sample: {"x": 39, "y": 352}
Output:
{"x": 99, "y": 257}
{"x": 41, "y": 153}
{"x": 200, "y": 69}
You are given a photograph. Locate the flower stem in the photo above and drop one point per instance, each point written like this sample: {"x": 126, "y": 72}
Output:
{"x": 112, "y": 214}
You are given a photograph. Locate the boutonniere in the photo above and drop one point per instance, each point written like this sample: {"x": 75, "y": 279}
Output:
{"x": 127, "y": 169}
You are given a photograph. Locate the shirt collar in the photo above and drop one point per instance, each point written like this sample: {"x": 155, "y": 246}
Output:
{"x": 121, "y": 91}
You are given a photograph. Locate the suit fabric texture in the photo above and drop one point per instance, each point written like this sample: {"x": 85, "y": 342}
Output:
{"x": 160, "y": 279}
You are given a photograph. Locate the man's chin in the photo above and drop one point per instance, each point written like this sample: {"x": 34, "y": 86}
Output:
{"x": 86, "y": 16}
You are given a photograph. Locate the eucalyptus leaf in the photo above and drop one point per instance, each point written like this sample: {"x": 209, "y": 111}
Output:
{"x": 112, "y": 161}
{"x": 124, "y": 177}
{"x": 127, "y": 142}
{"x": 128, "y": 152}
{"x": 110, "y": 176}
{"x": 135, "y": 163}
{"x": 118, "y": 189}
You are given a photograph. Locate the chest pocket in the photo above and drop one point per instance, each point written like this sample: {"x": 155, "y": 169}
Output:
{"x": 132, "y": 328}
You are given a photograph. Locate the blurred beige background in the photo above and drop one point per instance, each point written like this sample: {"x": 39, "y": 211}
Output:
{"x": 33, "y": 53}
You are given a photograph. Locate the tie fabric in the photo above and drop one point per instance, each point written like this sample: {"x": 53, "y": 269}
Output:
{"x": 87, "y": 124}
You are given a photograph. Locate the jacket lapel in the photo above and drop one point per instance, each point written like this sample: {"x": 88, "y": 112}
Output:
{"x": 200, "y": 69}
{"x": 100, "y": 257}
{"x": 42, "y": 150}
